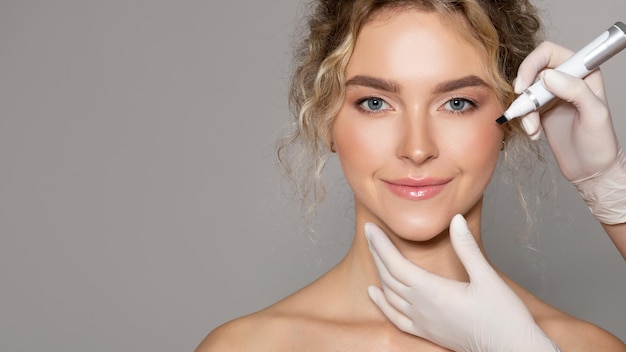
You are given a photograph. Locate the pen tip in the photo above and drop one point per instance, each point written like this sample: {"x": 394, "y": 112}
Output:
{"x": 502, "y": 119}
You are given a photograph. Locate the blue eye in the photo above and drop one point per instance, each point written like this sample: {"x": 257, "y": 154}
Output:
{"x": 372, "y": 104}
{"x": 457, "y": 105}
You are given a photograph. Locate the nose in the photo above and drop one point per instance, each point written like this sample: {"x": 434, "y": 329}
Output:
{"x": 418, "y": 140}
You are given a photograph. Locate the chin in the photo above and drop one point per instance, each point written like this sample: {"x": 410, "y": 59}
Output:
{"x": 418, "y": 229}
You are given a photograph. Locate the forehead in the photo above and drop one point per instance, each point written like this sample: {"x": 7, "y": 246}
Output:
{"x": 415, "y": 43}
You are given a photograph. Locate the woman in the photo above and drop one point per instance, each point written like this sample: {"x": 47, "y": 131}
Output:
{"x": 406, "y": 94}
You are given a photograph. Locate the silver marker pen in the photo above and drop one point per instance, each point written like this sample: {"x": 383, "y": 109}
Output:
{"x": 579, "y": 65}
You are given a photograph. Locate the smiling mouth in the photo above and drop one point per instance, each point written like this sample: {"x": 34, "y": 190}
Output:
{"x": 417, "y": 189}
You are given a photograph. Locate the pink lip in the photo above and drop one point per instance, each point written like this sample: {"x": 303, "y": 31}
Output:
{"x": 412, "y": 189}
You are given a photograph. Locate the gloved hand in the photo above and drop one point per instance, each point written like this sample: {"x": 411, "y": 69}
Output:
{"x": 579, "y": 130}
{"x": 481, "y": 315}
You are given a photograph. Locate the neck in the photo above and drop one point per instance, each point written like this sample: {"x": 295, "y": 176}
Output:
{"x": 435, "y": 255}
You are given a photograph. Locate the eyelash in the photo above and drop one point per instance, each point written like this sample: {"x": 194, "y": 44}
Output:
{"x": 472, "y": 105}
{"x": 359, "y": 105}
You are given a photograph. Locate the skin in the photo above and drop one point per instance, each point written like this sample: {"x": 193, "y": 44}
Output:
{"x": 415, "y": 135}
{"x": 617, "y": 233}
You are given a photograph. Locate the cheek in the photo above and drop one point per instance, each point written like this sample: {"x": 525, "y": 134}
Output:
{"x": 479, "y": 136}
{"x": 477, "y": 145}
{"x": 362, "y": 144}
{"x": 352, "y": 145}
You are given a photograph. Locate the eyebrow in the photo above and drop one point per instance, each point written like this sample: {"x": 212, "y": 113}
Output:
{"x": 374, "y": 82}
{"x": 393, "y": 87}
{"x": 467, "y": 81}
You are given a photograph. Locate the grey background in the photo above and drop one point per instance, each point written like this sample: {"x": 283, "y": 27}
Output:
{"x": 140, "y": 203}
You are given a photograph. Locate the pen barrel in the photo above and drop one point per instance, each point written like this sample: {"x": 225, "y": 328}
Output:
{"x": 582, "y": 63}
{"x": 574, "y": 66}
{"x": 615, "y": 43}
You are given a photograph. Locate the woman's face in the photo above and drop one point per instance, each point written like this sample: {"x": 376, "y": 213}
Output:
{"x": 416, "y": 135}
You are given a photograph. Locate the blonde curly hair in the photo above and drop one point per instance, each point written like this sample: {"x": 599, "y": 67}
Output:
{"x": 506, "y": 30}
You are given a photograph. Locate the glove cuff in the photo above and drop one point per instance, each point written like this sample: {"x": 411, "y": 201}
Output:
{"x": 605, "y": 192}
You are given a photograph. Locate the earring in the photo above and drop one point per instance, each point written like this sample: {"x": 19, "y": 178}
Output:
{"x": 332, "y": 147}
{"x": 503, "y": 145}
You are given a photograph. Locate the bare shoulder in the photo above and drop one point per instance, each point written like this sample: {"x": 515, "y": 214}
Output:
{"x": 226, "y": 337}
{"x": 269, "y": 329}
{"x": 254, "y": 332}
{"x": 570, "y": 334}
{"x": 291, "y": 324}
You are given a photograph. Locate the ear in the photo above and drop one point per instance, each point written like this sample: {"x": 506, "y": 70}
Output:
{"x": 328, "y": 138}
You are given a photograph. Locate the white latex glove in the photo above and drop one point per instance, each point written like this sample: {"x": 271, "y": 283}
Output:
{"x": 481, "y": 315}
{"x": 579, "y": 130}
